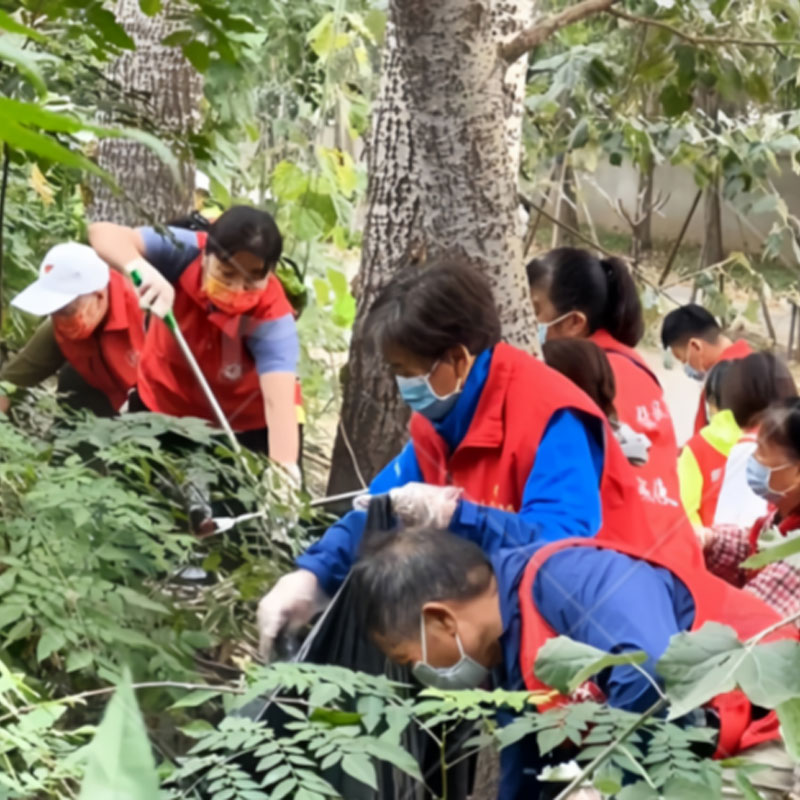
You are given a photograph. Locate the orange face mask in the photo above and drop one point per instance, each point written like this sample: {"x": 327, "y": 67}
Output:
{"x": 231, "y": 301}
{"x": 83, "y": 323}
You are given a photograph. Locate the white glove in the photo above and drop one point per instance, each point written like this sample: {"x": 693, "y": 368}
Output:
{"x": 289, "y": 605}
{"x": 634, "y": 445}
{"x": 156, "y": 292}
{"x": 420, "y": 504}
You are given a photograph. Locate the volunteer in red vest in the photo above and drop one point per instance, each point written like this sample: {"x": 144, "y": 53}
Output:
{"x": 95, "y": 328}
{"x": 698, "y": 342}
{"x": 502, "y": 447}
{"x": 234, "y": 315}
{"x": 459, "y": 619}
{"x": 773, "y": 473}
{"x": 701, "y": 465}
{"x": 577, "y": 295}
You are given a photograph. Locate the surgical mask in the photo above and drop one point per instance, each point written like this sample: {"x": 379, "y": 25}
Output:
{"x": 419, "y": 395}
{"x": 694, "y": 374}
{"x": 466, "y": 673}
{"x": 543, "y": 327}
{"x": 759, "y": 477}
{"x": 231, "y": 301}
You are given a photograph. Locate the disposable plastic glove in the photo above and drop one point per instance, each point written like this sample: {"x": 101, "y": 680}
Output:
{"x": 289, "y": 605}
{"x": 156, "y": 293}
{"x": 418, "y": 504}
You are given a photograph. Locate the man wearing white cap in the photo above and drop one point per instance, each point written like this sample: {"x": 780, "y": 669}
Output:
{"x": 95, "y": 328}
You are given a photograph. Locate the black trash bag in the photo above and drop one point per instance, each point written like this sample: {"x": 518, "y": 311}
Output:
{"x": 336, "y": 639}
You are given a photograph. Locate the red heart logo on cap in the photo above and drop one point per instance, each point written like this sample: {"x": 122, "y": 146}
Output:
{"x": 48, "y": 268}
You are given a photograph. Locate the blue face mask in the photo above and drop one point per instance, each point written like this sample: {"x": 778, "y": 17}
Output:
{"x": 466, "y": 673}
{"x": 758, "y": 479}
{"x": 543, "y": 327}
{"x": 420, "y": 396}
{"x": 694, "y": 374}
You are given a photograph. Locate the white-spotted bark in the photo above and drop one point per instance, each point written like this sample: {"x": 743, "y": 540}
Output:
{"x": 443, "y": 163}
{"x": 164, "y": 91}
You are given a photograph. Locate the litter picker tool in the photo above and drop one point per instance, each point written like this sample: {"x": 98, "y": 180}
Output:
{"x": 224, "y": 524}
{"x": 172, "y": 324}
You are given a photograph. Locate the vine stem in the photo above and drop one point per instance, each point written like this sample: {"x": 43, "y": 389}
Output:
{"x": 3, "y": 192}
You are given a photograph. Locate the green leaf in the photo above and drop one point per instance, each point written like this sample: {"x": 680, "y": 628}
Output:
{"x": 288, "y": 182}
{"x": 195, "y": 698}
{"x": 770, "y": 555}
{"x": 79, "y": 659}
{"x": 120, "y": 763}
{"x": 178, "y": 38}
{"x": 333, "y": 716}
{"x": 52, "y": 639}
{"x": 107, "y": 24}
{"x": 565, "y": 664}
{"x": 9, "y": 613}
{"x": 608, "y": 779}
{"x": 321, "y": 36}
{"x": 197, "y": 54}
{"x": 283, "y": 789}
{"x": 150, "y": 7}
{"x": 748, "y": 790}
{"x": 8, "y": 23}
{"x": 698, "y": 665}
{"x": 549, "y": 739}
{"x": 770, "y": 673}
{"x": 396, "y": 756}
{"x": 358, "y": 766}
{"x": 675, "y": 101}
{"x": 789, "y": 715}
{"x": 25, "y": 62}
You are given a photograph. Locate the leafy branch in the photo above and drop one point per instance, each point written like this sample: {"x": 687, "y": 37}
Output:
{"x": 699, "y": 39}
{"x": 543, "y": 29}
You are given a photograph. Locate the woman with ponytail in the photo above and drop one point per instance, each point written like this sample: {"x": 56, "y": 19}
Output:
{"x": 577, "y": 295}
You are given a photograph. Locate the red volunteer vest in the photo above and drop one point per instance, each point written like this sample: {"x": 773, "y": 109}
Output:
{"x": 712, "y": 467}
{"x": 715, "y": 600}
{"x": 640, "y": 404}
{"x": 167, "y": 384}
{"x": 739, "y": 349}
{"x": 494, "y": 460}
{"x": 108, "y": 359}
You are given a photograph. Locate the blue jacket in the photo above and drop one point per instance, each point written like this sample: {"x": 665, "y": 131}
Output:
{"x": 561, "y": 497}
{"x": 595, "y": 597}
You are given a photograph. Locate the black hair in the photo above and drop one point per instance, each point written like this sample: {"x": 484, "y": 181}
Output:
{"x": 602, "y": 288}
{"x": 398, "y": 572}
{"x": 587, "y": 366}
{"x": 780, "y": 425}
{"x": 689, "y": 322}
{"x": 194, "y": 221}
{"x": 428, "y": 311}
{"x": 753, "y": 383}
{"x": 243, "y": 228}
{"x": 714, "y": 382}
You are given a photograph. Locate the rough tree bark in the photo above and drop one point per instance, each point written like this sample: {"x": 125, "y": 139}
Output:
{"x": 442, "y": 164}
{"x": 165, "y": 94}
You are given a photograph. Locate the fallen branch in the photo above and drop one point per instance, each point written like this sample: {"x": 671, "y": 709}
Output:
{"x": 542, "y": 30}
{"x": 699, "y": 39}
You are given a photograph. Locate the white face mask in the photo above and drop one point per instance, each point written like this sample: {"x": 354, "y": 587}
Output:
{"x": 466, "y": 673}
{"x": 543, "y": 327}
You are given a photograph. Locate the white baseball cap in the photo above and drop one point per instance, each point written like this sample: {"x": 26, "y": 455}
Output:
{"x": 67, "y": 271}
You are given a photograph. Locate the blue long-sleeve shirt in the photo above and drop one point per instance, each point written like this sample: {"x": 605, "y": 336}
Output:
{"x": 595, "y": 597}
{"x": 561, "y": 496}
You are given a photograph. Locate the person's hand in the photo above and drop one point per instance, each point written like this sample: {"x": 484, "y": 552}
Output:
{"x": 289, "y": 605}
{"x": 156, "y": 293}
{"x": 635, "y": 446}
{"x": 704, "y": 535}
{"x": 420, "y": 504}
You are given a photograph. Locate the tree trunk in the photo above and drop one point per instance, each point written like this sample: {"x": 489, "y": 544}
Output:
{"x": 566, "y": 210}
{"x": 442, "y": 183}
{"x": 713, "y": 251}
{"x": 165, "y": 91}
{"x": 643, "y": 232}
